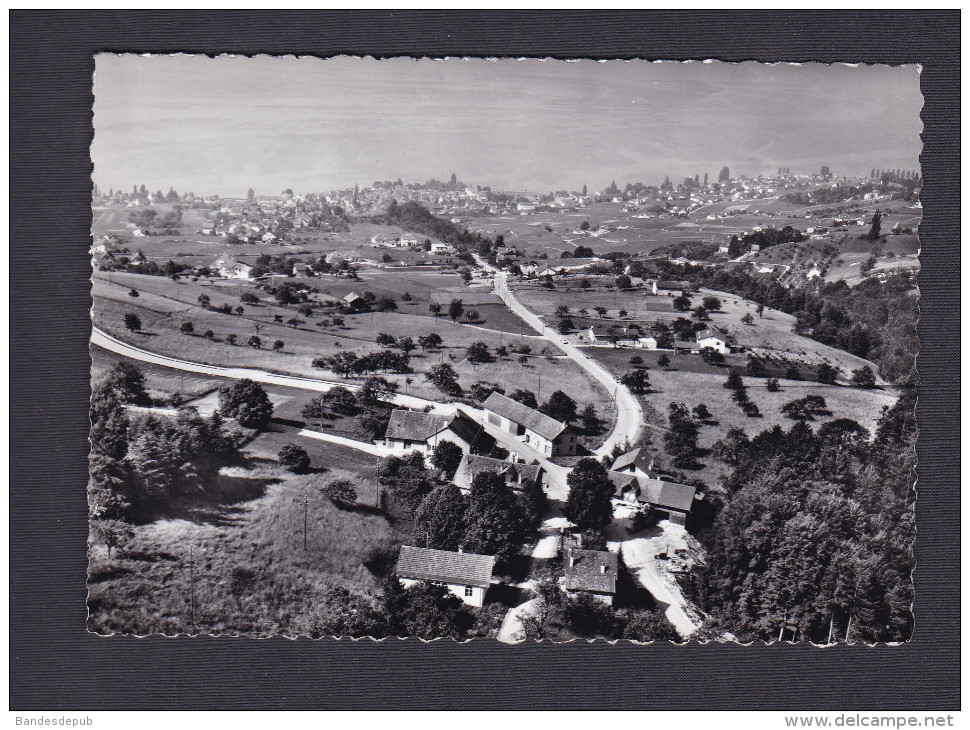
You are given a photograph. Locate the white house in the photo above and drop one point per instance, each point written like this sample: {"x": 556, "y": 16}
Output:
{"x": 441, "y": 247}
{"x": 467, "y": 575}
{"x": 409, "y": 239}
{"x": 229, "y": 268}
{"x": 547, "y": 435}
{"x": 648, "y": 342}
{"x": 715, "y": 339}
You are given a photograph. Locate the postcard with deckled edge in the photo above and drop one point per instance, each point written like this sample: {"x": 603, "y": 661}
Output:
{"x": 503, "y": 349}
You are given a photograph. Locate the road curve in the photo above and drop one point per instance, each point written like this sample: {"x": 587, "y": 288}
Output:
{"x": 629, "y": 413}
{"x": 104, "y": 340}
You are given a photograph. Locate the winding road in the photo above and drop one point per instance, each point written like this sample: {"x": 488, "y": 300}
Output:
{"x": 629, "y": 414}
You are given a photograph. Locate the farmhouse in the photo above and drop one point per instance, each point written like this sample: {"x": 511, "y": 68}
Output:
{"x": 409, "y": 239}
{"x": 592, "y": 572}
{"x": 612, "y": 334}
{"x": 670, "y": 286}
{"x": 637, "y": 462}
{"x": 467, "y": 575}
{"x": 516, "y": 475}
{"x": 439, "y": 247}
{"x": 635, "y": 483}
{"x": 229, "y": 268}
{"x": 354, "y": 300}
{"x": 545, "y": 434}
{"x": 422, "y": 432}
{"x": 715, "y": 339}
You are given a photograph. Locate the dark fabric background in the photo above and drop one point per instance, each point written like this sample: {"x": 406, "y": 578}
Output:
{"x": 54, "y": 664}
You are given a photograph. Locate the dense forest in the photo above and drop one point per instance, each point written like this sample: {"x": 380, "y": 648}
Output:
{"x": 815, "y": 538}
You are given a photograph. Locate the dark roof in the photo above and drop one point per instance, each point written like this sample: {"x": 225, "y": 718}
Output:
{"x": 536, "y": 422}
{"x": 471, "y": 432}
{"x": 445, "y": 566}
{"x": 638, "y": 458}
{"x": 414, "y": 426}
{"x": 669, "y": 495}
{"x": 472, "y": 465}
{"x": 684, "y": 344}
{"x": 591, "y": 570}
{"x": 622, "y": 482}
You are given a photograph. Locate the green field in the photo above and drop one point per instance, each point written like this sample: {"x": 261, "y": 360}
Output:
{"x": 162, "y": 318}
{"x": 689, "y": 380}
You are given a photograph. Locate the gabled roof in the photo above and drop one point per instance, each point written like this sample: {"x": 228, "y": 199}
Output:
{"x": 622, "y": 482}
{"x": 638, "y": 458}
{"x": 352, "y": 297}
{"x": 669, "y": 495}
{"x": 591, "y": 570}
{"x": 472, "y": 465}
{"x": 471, "y": 432}
{"x": 445, "y": 566}
{"x": 414, "y": 426}
{"x": 532, "y": 419}
{"x": 714, "y": 332}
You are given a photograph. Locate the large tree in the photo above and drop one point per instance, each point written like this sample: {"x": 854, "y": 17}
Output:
{"x": 561, "y": 407}
{"x": 495, "y": 519}
{"x": 446, "y": 457}
{"x": 680, "y": 441}
{"x": 247, "y": 402}
{"x": 589, "y": 504}
{"x": 439, "y": 521}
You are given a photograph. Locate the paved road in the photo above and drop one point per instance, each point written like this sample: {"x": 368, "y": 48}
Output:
{"x": 372, "y": 449}
{"x": 104, "y": 340}
{"x": 629, "y": 414}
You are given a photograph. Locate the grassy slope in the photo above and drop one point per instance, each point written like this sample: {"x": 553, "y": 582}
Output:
{"x": 146, "y": 588}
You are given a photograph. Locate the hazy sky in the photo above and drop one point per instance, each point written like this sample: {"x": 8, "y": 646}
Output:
{"x": 226, "y": 124}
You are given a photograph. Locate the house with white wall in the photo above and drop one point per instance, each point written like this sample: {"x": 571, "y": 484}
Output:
{"x": 467, "y": 575}
{"x": 547, "y": 435}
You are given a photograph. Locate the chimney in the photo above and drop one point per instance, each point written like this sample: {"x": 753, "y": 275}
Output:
{"x": 602, "y": 567}
{"x": 460, "y": 549}
{"x": 650, "y": 468}
{"x": 572, "y": 559}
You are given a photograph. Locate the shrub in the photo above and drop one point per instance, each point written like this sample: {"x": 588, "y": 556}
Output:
{"x": 295, "y": 458}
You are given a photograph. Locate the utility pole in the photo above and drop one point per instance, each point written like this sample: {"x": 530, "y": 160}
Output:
{"x": 306, "y": 509}
{"x": 378, "y": 505}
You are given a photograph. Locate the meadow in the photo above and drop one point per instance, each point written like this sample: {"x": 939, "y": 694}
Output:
{"x": 162, "y": 317}
{"x": 242, "y": 560}
{"x": 691, "y": 381}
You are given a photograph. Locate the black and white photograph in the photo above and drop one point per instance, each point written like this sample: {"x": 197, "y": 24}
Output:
{"x": 503, "y": 349}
